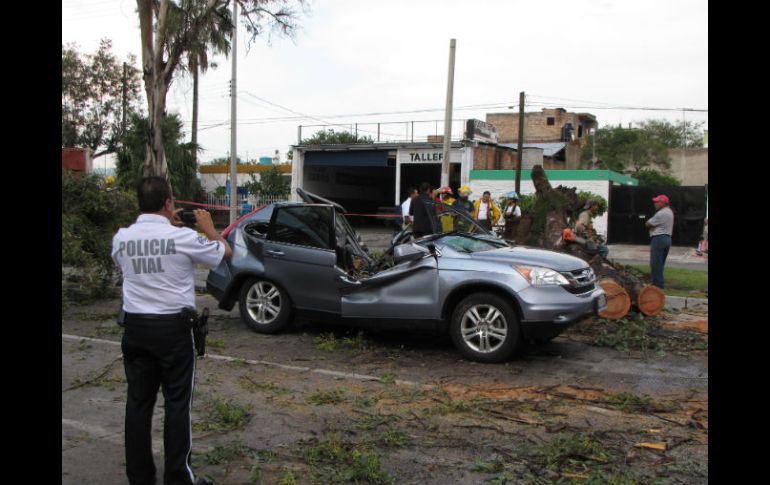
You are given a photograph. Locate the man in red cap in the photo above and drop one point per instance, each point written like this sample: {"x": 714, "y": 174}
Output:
{"x": 661, "y": 226}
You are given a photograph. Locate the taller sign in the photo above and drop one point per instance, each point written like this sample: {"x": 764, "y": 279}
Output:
{"x": 480, "y": 131}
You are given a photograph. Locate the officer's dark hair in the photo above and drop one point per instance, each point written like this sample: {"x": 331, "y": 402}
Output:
{"x": 410, "y": 191}
{"x": 152, "y": 193}
{"x": 486, "y": 192}
{"x": 424, "y": 188}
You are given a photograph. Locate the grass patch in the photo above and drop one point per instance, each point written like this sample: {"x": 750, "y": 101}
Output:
{"x": 319, "y": 398}
{"x": 637, "y": 332}
{"x": 388, "y": 378}
{"x": 109, "y": 331}
{"x": 449, "y": 406}
{"x": 247, "y": 384}
{"x": 223, "y": 415}
{"x": 681, "y": 281}
{"x": 325, "y": 342}
{"x": 393, "y": 438}
{"x": 215, "y": 343}
{"x": 357, "y": 344}
{"x": 226, "y": 453}
{"x": 639, "y": 403}
{"x": 287, "y": 478}
{"x": 335, "y": 459}
{"x": 495, "y": 466}
{"x": 363, "y": 402}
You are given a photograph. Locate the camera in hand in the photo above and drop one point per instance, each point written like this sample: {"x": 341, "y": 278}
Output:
{"x": 187, "y": 217}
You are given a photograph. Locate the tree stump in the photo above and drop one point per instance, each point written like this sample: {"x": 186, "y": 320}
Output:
{"x": 553, "y": 208}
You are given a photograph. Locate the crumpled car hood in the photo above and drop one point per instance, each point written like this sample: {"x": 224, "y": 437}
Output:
{"x": 533, "y": 257}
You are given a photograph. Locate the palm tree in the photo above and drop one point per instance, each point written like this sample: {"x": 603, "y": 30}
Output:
{"x": 214, "y": 36}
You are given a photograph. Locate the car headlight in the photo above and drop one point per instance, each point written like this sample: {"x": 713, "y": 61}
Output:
{"x": 538, "y": 276}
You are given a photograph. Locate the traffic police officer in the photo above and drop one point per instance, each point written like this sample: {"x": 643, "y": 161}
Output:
{"x": 156, "y": 256}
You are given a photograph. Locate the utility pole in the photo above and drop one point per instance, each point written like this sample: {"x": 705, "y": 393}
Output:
{"x": 448, "y": 115}
{"x": 125, "y": 101}
{"x": 521, "y": 142}
{"x": 233, "y": 157}
{"x": 684, "y": 146}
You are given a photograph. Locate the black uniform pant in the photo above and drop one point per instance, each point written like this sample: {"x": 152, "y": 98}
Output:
{"x": 158, "y": 354}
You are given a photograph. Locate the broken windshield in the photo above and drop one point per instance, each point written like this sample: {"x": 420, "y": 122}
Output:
{"x": 446, "y": 219}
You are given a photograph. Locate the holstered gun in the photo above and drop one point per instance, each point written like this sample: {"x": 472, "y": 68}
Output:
{"x": 199, "y": 325}
{"x": 200, "y": 331}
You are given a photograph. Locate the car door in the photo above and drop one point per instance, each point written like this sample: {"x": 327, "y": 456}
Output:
{"x": 299, "y": 255}
{"x": 409, "y": 290}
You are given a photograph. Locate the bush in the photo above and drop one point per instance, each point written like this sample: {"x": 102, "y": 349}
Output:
{"x": 653, "y": 177}
{"x": 92, "y": 212}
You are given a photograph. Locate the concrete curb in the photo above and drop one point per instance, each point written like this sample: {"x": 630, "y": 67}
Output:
{"x": 684, "y": 303}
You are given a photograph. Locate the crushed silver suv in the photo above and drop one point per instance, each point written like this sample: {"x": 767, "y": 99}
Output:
{"x": 488, "y": 293}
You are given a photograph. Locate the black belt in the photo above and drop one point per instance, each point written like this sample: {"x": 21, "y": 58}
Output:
{"x": 153, "y": 316}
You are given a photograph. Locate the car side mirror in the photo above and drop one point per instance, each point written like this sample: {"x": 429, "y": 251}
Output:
{"x": 409, "y": 252}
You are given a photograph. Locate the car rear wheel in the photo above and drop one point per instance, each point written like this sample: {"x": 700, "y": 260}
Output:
{"x": 264, "y": 306}
{"x": 485, "y": 328}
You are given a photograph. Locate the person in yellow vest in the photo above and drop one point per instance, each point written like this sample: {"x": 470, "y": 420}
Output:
{"x": 446, "y": 218}
{"x": 486, "y": 212}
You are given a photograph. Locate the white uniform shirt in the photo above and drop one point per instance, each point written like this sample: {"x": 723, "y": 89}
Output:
{"x": 516, "y": 210}
{"x": 483, "y": 208}
{"x": 157, "y": 259}
{"x": 405, "y": 207}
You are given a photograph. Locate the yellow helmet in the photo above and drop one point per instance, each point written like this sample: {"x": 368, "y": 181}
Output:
{"x": 464, "y": 190}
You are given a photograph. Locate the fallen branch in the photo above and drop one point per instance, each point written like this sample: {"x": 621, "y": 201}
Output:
{"x": 104, "y": 372}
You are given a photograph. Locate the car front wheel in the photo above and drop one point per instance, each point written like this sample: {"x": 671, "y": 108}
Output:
{"x": 485, "y": 328}
{"x": 264, "y": 306}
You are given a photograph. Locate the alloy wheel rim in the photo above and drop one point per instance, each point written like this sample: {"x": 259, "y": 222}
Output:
{"x": 263, "y": 302}
{"x": 484, "y": 328}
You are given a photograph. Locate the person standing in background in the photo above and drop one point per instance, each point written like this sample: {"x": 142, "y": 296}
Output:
{"x": 661, "y": 227}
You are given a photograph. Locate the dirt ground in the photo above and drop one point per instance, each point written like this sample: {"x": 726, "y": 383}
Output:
{"x": 334, "y": 404}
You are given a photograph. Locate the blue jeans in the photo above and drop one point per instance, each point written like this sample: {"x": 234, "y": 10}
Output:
{"x": 659, "y": 247}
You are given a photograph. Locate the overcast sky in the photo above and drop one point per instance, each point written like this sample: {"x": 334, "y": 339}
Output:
{"x": 354, "y": 60}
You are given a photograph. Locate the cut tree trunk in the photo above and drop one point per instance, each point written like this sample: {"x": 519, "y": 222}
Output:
{"x": 553, "y": 207}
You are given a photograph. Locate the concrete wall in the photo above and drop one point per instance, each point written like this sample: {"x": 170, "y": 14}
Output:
{"x": 76, "y": 160}
{"x": 210, "y": 181}
{"x": 499, "y": 187}
{"x": 692, "y": 168}
{"x": 531, "y": 157}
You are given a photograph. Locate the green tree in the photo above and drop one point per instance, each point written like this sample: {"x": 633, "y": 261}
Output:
{"x": 674, "y": 135}
{"x": 331, "y": 137}
{"x": 622, "y": 149}
{"x": 169, "y": 30}
{"x": 91, "y": 214}
{"x": 213, "y": 37}
{"x": 181, "y": 162}
{"x": 271, "y": 183}
{"x": 654, "y": 177}
{"x": 92, "y": 97}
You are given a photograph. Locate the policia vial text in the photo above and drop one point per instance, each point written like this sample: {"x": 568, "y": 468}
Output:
{"x": 142, "y": 252}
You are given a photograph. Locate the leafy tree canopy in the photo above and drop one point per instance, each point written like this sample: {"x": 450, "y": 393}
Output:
{"x": 182, "y": 167}
{"x": 634, "y": 149}
{"x": 654, "y": 177}
{"x": 92, "y": 97}
{"x": 271, "y": 183}
{"x": 331, "y": 137}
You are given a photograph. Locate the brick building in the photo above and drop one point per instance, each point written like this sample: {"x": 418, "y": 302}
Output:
{"x": 552, "y": 125}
